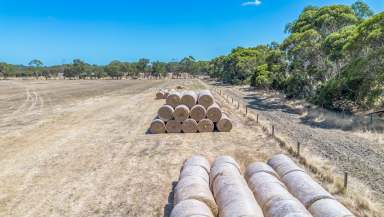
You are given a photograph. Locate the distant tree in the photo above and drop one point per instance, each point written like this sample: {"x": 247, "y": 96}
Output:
{"x": 142, "y": 65}
{"x": 6, "y": 70}
{"x": 361, "y": 9}
{"x": 36, "y": 64}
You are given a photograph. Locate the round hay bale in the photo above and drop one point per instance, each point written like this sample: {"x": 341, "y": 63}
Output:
{"x": 205, "y": 98}
{"x": 188, "y": 208}
{"x": 205, "y": 126}
{"x": 173, "y": 126}
{"x": 194, "y": 171}
{"x": 224, "y": 124}
{"x": 173, "y": 99}
{"x": 189, "y": 126}
{"x": 157, "y": 127}
{"x": 224, "y": 165}
{"x": 194, "y": 187}
{"x": 329, "y": 207}
{"x": 198, "y": 113}
{"x": 304, "y": 188}
{"x": 197, "y": 160}
{"x": 214, "y": 113}
{"x": 280, "y": 207}
{"x": 234, "y": 198}
{"x": 283, "y": 165}
{"x": 189, "y": 98}
{"x": 160, "y": 94}
{"x": 272, "y": 195}
{"x": 181, "y": 113}
{"x": 165, "y": 112}
{"x": 259, "y": 167}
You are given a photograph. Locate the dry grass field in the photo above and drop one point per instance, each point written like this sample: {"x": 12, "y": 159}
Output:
{"x": 81, "y": 148}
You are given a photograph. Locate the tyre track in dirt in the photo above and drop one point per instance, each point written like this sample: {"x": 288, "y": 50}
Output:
{"x": 351, "y": 153}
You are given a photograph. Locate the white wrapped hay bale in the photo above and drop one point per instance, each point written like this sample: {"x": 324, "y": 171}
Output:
{"x": 205, "y": 126}
{"x": 173, "y": 99}
{"x": 235, "y": 198}
{"x": 189, "y": 98}
{"x": 194, "y": 183}
{"x": 329, "y": 208}
{"x": 206, "y": 98}
{"x": 165, "y": 112}
{"x": 197, "y": 160}
{"x": 280, "y": 207}
{"x": 195, "y": 187}
{"x": 173, "y": 126}
{"x": 157, "y": 127}
{"x": 301, "y": 185}
{"x": 214, "y": 113}
{"x": 283, "y": 165}
{"x": 231, "y": 191}
{"x": 198, "y": 113}
{"x": 271, "y": 194}
{"x": 194, "y": 171}
{"x": 189, "y": 126}
{"x": 181, "y": 113}
{"x": 224, "y": 124}
{"x": 259, "y": 167}
{"x": 191, "y": 208}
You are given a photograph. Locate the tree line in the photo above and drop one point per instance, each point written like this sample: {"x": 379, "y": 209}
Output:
{"x": 79, "y": 69}
{"x": 332, "y": 56}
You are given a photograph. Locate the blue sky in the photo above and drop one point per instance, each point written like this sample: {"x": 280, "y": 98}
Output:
{"x": 57, "y": 31}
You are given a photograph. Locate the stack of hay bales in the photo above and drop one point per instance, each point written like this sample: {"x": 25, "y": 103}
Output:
{"x": 162, "y": 94}
{"x": 192, "y": 196}
{"x": 315, "y": 198}
{"x": 190, "y": 112}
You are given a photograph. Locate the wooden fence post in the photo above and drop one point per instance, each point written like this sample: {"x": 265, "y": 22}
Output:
{"x": 273, "y": 130}
{"x": 246, "y": 109}
{"x": 257, "y": 118}
{"x": 345, "y": 180}
{"x": 298, "y": 148}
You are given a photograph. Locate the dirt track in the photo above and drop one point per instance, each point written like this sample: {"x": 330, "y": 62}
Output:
{"x": 80, "y": 148}
{"x": 359, "y": 154}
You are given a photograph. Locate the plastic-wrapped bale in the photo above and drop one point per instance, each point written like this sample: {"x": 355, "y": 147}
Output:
{"x": 189, "y": 126}
{"x": 223, "y": 165}
{"x": 181, "y": 113}
{"x": 214, "y": 113}
{"x": 173, "y": 126}
{"x": 283, "y": 165}
{"x": 231, "y": 191}
{"x": 329, "y": 207}
{"x": 224, "y": 124}
{"x": 259, "y": 167}
{"x": 157, "y": 127}
{"x": 165, "y": 112}
{"x": 301, "y": 185}
{"x": 198, "y": 113}
{"x": 173, "y": 99}
{"x": 189, "y": 98}
{"x": 195, "y": 187}
{"x": 191, "y": 208}
{"x": 205, "y": 98}
{"x": 197, "y": 160}
{"x": 205, "y": 126}
{"x": 271, "y": 194}
{"x": 194, "y": 184}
